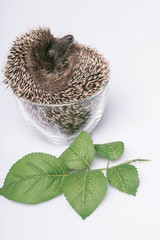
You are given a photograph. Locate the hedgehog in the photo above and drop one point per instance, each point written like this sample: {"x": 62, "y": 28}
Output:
{"x": 43, "y": 69}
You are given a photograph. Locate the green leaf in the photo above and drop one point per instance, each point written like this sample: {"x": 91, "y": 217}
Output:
{"x": 35, "y": 178}
{"x": 124, "y": 178}
{"x": 80, "y": 153}
{"x": 110, "y": 151}
{"x": 85, "y": 190}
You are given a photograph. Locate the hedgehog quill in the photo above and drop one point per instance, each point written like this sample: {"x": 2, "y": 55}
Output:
{"x": 48, "y": 70}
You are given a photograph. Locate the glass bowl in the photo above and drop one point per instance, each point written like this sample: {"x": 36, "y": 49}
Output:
{"x": 61, "y": 123}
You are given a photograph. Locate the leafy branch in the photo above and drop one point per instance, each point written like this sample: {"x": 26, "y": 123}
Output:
{"x": 38, "y": 177}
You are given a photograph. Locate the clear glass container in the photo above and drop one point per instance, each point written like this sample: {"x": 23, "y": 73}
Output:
{"x": 61, "y": 123}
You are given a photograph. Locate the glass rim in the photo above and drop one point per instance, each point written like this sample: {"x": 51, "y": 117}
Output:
{"x": 62, "y": 104}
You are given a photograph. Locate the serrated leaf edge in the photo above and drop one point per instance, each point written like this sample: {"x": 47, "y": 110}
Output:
{"x": 121, "y": 181}
{"x": 96, "y": 207}
{"x": 112, "y": 149}
{"x": 75, "y": 152}
{"x": 138, "y": 180}
{"x": 21, "y": 159}
{"x": 116, "y": 149}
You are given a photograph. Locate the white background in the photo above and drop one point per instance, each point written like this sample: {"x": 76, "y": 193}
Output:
{"x": 128, "y": 34}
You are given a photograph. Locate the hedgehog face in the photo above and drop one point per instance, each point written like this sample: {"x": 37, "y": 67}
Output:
{"x": 55, "y": 51}
{"x": 48, "y": 60}
{"x": 49, "y": 53}
{"x": 57, "y": 47}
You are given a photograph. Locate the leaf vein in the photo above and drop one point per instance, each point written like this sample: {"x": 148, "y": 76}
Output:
{"x": 79, "y": 155}
{"x": 120, "y": 179}
{"x": 112, "y": 149}
{"x": 84, "y": 186}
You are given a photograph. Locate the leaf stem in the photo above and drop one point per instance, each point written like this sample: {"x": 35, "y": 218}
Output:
{"x": 108, "y": 164}
{"x": 101, "y": 169}
{"x": 131, "y": 161}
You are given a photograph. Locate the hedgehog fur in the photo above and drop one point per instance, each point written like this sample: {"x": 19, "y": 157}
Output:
{"x": 34, "y": 73}
{"x": 48, "y": 70}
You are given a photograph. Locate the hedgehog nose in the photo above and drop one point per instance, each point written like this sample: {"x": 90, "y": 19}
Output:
{"x": 69, "y": 38}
